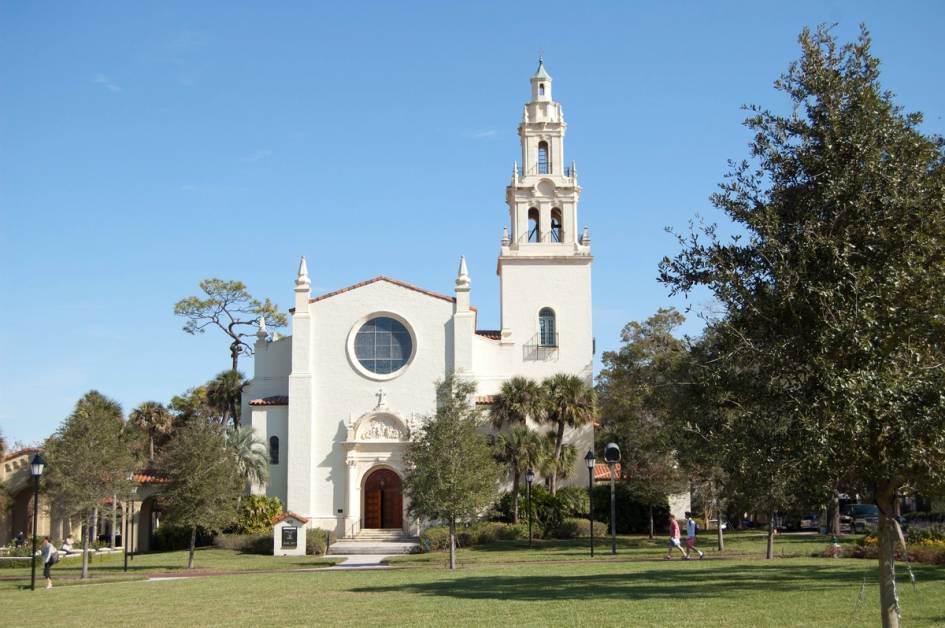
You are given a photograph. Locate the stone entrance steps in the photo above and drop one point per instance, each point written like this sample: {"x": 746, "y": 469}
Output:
{"x": 371, "y": 541}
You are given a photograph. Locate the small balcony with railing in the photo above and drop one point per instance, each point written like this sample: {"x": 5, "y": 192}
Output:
{"x": 542, "y": 347}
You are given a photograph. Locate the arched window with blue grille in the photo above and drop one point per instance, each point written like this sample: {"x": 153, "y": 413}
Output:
{"x": 547, "y": 331}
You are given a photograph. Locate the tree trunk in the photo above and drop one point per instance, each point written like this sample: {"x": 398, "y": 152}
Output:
{"x": 835, "y": 514}
{"x": 651, "y": 521}
{"x": 114, "y": 519}
{"x": 95, "y": 525}
{"x": 559, "y": 445}
{"x": 515, "y": 486}
{"x": 719, "y": 536}
{"x": 193, "y": 543}
{"x": 888, "y": 536}
{"x": 769, "y": 551}
{"x": 452, "y": 544}
{"x": 235, "y": 352}
{"x": 85, "y": 548}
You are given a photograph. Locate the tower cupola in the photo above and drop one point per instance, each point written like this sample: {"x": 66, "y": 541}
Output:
{"x": 541, "y": 83}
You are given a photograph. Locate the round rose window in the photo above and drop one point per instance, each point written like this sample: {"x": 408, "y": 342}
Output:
{"x": 383, "y": 345}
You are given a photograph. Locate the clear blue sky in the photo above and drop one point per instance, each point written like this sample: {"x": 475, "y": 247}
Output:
{"x": 144, "y": 146}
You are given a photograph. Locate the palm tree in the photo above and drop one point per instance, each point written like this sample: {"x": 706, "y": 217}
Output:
{"x": 520, "y": 448}
{"x": 153, "y": 419}
{"x": 519, "y": 399}
{"x": 224, "y": 393}
{"x": 252, "y": 459}
{"x": 570, "y": 402}
{"x": 551, "y": 468}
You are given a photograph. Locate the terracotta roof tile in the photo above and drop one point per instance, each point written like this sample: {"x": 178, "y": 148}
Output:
{"x": 275, "y": 400}
{"x": 602, "y": 471}
{"x": 485, "y": 400}
{"x": 491, "y": 334}
{"x": 285, "y": 515}
{"x": 396, "y": 282}
{"x": 22, "y": 452}
{"x": 149, "y": 477}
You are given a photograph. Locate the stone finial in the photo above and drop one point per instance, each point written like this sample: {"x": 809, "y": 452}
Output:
{"x": 462, "y": 277}
{"x": 505, "y": 237}
{"x": 262, "y": 333}
{"x": 586, "y": 236}
{"x": 302, "y": 282}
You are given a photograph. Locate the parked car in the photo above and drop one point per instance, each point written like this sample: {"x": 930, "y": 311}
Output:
{"x": 865, "y": 517}
{"x": 810, "y": 521}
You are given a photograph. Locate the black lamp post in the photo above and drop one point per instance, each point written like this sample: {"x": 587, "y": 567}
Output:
{"x": 529, "y": 478}
{"x": 36, "y": 470}
{"x": 612, "y": 457}
{"x": 590, "y": 461}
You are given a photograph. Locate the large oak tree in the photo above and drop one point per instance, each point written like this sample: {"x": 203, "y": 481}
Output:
{"x": 836, "y": 291}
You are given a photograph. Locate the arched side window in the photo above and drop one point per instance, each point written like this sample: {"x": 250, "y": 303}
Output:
{"x": 547, "y": 332}
{"x": 543, "y": 158}
{"x": 534, "y": 233}
{"x": 273, "y": 450}
{"x": 557, "y": 234}
{"x": 541, "y": 89}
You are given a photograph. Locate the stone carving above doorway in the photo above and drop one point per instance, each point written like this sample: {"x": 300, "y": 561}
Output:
{"x": 382, "y": 428}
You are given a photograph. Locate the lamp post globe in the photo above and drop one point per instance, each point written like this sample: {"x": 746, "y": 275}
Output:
{"x": 37, "y": 464}
{"x": 529, "y": 478}
{"x": 591, "y": 462}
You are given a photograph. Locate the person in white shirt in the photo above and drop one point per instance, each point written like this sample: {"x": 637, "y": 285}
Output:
{"x": 50, "y": 556}
{"x": 691, "y": 537}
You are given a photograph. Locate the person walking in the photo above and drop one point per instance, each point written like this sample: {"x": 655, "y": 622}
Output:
{"x": 50, "y": 557}
{"x": 674, "y": 539}
{"x": 691, "y": 537}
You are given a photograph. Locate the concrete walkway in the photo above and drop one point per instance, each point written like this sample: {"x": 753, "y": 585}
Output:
{"x": 359, "y": 561}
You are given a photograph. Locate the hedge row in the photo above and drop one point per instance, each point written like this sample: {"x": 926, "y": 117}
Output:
{"x": 262, "y": 543}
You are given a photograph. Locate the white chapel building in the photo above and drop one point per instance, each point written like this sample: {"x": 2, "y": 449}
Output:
{"x": 337, "y": 401}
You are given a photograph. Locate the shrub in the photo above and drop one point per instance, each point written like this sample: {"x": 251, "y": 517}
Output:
{"x": 572, "y": 528}
{"x": 171, "y": 537}
{"x": 484, "y": 532}
{"x": 920, "y": 535}
{"x": 256, "y": 513}
{"x": 633, "y": 516}
{"x": 575, "y": 502}
{"x": 548, "y": 510}
{"x": 924, "y": 518}
{"x": 245, "y": 543}
{"x": 315, "y": 544}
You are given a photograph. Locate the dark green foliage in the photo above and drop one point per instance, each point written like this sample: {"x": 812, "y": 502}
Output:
{"x": 256, "y": 513}
{"x": 636, "y": 389}
{"x": 245, "y": 543}
{"x": 633, "y": 516}
{"x": 89, "y": 459}
{"x": 548, "y": 511}
{"x": 229, "y": 307}
{"x": 315, "y": 541}
{"x": 438, "y": 537}
{"x": 204, "y": 482}
{"x": 170, "y": 537}
{"x": 832, "y": 333}
{"x": 572, "y": 528}
{"x": 451, "y": 474}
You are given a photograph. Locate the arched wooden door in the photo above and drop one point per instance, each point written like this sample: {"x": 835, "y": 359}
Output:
{"x": 383, "y": 500}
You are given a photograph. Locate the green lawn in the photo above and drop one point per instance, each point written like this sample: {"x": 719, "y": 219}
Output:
{"x": 750, "y": 544}
{"x": 554, "y": 585}
{"x": 111, "y": 567}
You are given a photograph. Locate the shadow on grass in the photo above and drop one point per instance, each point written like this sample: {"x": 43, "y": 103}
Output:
{"x": 675, "y": 583}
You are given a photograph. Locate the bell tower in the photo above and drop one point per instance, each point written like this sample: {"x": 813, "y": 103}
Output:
{"x": 544, "y": 264}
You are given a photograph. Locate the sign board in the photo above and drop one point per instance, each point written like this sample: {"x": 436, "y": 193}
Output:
{"x": 290, "y": 537}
